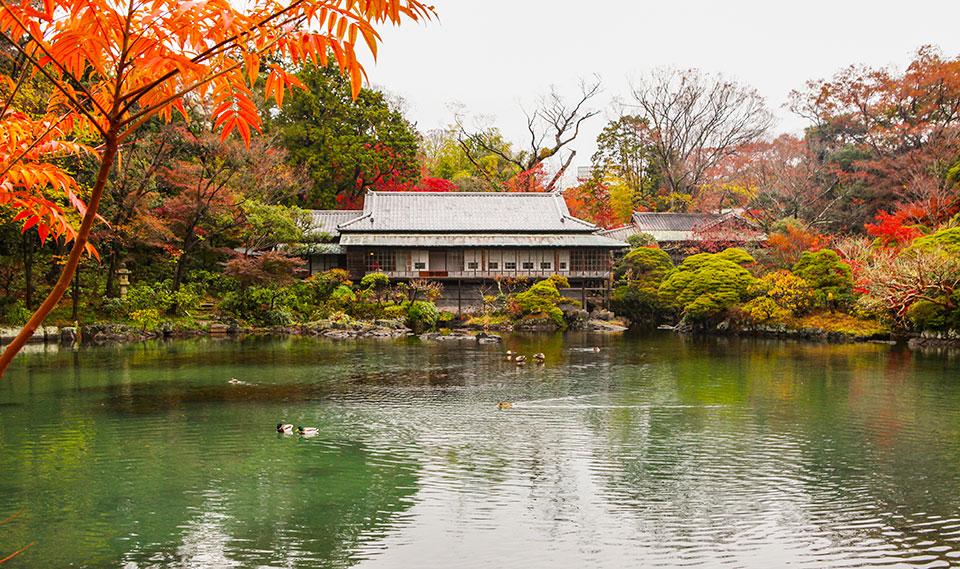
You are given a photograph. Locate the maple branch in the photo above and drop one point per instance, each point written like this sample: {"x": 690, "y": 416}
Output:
{"x": 215, "y": 49}
{"x": 56, "y": 84}
{"x": 36, "y": 142}
{"x": 146, "y": 114}
{"x": 39, "y": 43}
{"x": 13, "y": 94}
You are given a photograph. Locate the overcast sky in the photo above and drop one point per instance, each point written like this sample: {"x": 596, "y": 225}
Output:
{"x": 497, "y": 55}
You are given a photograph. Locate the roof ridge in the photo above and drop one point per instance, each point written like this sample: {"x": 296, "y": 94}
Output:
{"x": 443, "y": 194}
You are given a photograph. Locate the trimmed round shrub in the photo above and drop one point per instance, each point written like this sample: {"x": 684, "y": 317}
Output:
{"x": 422, "y": 316}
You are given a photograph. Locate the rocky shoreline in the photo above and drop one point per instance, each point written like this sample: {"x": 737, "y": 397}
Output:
{"x": 949, "y": 339}
{"x": 102, "y": 333}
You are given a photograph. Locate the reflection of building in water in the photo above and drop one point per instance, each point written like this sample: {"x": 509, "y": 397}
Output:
{"x": 467, "y": 240}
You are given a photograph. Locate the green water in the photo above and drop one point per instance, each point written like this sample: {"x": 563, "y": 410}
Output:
{"x": 657, "y": 450}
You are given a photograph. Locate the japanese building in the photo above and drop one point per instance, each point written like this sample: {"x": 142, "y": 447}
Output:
{"x": 470, "y": 237}
{"x": 681, "y": 234}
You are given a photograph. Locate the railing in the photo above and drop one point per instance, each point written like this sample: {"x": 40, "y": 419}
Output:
{"x": 492, "y": 274}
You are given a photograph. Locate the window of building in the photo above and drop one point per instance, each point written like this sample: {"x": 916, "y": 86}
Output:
{"x": 420, "y": 265}
{"x": 380, "y": 260}
{"x": 563, "y": 265}
{"x": 546, "y": 265}
{"x": 589, "y": 260}
{"x": 527, "y": 266}
{"x": 493, "y": 265}
{"x": 510, "y": 266}
{"x": 472, "y": 266}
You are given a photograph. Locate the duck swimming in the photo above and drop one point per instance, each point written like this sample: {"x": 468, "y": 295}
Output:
{"x": 504, "y": 405}
{"x": 287, "y": 429}
{"x": 307, "y": 431}
{"x": 539, "y": 357}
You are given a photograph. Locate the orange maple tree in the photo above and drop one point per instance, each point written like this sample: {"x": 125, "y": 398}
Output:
{"x": 113, "y": 65}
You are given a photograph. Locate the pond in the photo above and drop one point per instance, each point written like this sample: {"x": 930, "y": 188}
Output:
{"x": 657, "y": 450}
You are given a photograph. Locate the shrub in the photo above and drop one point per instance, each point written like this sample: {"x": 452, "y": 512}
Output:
{"x": 640, "y": 240}
{"x": 146, "y": 318}
{"x": 395, "y": 311}
{"x": 764, "y": 308}
{"x": 263, "y": 306}
{"x": 638, "y": 303}
{"x": 375, "y": 281}
{"x": 706, "y": 285}
{"x": 791, "y": 294}
{"x": 342, "y": 297}
{"x": 828, "y": 275}
{"x": 217, "y": 284}
{"x": 541, "y": 298}
{"x": 926, "y": 315}
{"x": 13, "y": 311}
{"x": 159, "y": 296}
{"x": 422, "y": 316}
{"x": 644, "y": 264}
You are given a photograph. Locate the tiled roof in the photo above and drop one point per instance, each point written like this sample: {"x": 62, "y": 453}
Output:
{"x": 425, "y": 240}
{"x": 466, "y": 212}
{"x": 685, "y": 226}
{"x": 620, "y": 233}
{"x": 327, "y": 220}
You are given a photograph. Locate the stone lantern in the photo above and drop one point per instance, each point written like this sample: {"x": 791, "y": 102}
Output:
{"x": 123, "y": 275}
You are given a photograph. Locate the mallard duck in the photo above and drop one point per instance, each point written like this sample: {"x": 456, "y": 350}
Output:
{"x": 307, "y": 431}
{"x": 287, "y": 429}
{"x": 520, "y": 359}
{"x": 504, "y": 405}
{"x": 539, "y": 356}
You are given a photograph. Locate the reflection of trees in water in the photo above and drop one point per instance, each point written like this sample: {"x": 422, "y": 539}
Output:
{"x": 806, "y": 439}
{"x": 156, "y": 476}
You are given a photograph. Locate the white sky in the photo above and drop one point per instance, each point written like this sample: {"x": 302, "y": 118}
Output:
{"x": 497, "y": 55}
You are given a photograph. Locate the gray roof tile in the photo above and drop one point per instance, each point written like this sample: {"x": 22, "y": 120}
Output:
{"x": 327, "y": 220}
{"x": 466, "y": 212}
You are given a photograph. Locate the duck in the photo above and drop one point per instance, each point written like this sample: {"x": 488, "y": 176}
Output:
{"x": 504, "y": 404}
{"x": 233, "y": 380}
{"x": 286, "y": 429}
{"x": 510, "y": 354}
{"x": 520, "y": 359}
{"x": 307, "y": 431}
{"x": 539, "y": 357}
{"x": 596, "y": 348}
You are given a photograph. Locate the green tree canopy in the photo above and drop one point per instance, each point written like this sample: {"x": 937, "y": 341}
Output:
{"x": 346, "y": 145}
{"x": 708, "y": 284}
{"x": 829, "y": 275}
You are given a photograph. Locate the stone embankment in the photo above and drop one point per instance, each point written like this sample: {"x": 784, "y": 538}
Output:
{"x": 459, "y": 330}
{"x": 944, "y": 339}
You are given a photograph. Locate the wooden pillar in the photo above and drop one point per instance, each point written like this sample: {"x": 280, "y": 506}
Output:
{"x": 459, "y": 296}
{"x": 583, "y": 293}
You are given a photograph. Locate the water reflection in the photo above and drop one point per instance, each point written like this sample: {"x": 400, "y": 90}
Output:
{"x": 654, "y": 451}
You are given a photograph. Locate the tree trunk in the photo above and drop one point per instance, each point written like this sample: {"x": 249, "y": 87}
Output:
{"x": 109, "y": 155}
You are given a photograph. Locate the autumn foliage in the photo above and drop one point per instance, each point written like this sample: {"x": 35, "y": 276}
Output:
{"x": 113, "y": 66}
